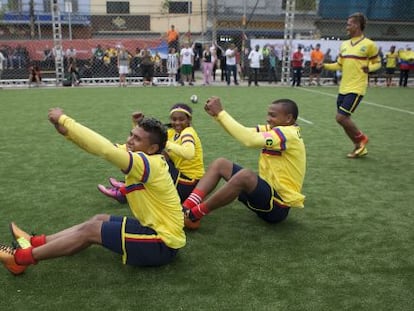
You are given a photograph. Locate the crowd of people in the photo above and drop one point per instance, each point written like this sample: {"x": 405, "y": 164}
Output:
{"x": 225, "y": 63}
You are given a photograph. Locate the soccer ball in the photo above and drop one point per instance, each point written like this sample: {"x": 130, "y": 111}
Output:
{"x": 194, "y": 99}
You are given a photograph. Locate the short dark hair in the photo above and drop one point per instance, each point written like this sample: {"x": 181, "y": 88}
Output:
{"x": 157, "y": 131}
{"x": 289, "y": 105}
{"x": 360, "y": 18}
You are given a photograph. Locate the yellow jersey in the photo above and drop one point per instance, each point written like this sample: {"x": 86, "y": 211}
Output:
{"x": 149, "y": 188}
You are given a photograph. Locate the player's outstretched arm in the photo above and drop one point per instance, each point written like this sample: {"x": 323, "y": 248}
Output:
{"x": 247, "y": 136}
{"x": 89, "y": 140}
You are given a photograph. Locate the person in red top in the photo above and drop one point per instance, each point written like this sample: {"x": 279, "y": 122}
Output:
{"x": 297, "y": 63}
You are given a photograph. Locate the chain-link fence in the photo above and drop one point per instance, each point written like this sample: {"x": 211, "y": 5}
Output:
{"x": 88, "y": 35}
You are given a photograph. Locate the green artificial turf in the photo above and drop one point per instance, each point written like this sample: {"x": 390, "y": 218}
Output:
{"x": 351, "y": 248}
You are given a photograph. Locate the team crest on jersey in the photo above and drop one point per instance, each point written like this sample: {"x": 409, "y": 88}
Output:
{"x": 363, "y": 49}
{"x": 269, "y": 142}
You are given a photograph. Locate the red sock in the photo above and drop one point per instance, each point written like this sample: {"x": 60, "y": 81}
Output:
{"x": 358, "y": 137}
{"x": 200, "y": 210}
{"x": 24, "y": 256}
{"x": 194, "y": 198}
{"x": 38, "y": 240}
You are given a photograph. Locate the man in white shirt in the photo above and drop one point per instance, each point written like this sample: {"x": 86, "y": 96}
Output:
{"x": 254, "y": 57}
{"x": 186, "y": 61}
{"x": 231, "y": 64}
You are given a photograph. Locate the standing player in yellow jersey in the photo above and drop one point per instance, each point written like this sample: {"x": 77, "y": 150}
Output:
{"x": 391, "y": 60}
{"x": 151, "y": 237}
{"x": 183, "y": 151}
{"x": 358, "y": 56}
{"x": 282, "y": 164}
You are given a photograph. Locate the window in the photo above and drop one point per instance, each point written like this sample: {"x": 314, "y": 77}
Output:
{"x": 302, "y": 5}
{"x": 46, "y": 6}
{"x": 75, "y": 5}
{"x": 117, "y": 7}
{"x": 14, "y": 5}
{"x": 180, "y": 7}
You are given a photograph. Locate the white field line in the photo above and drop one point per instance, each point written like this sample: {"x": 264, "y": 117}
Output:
{"x": 365, "y": 102}
{"x": 304, "y": 120}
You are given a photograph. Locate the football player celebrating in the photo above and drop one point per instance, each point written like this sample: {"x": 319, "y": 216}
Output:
{"x": 151, "y": 237}
{"x": 282, "y": 162}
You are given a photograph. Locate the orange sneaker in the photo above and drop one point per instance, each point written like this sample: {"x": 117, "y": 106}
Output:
{"x": 19, "y": 235}
{"x": 190, "y": 222}
{"x": 359, "y": 149}
{"x": 7, "y": 258}
{"x": 354, "y": 154}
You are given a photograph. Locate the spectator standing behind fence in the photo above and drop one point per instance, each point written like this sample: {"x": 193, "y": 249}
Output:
{"x": 187, "y": 62}
{"x": 172, "y": 38}
{"x": 213, "y": 50}
{"x": 58, "y": 53}
{"x": 207, "y": 58}
{"x": 406, "y": 61}
{"x": 35, "y": 76}
{"x": 20, "y": 57}
{"x": 48, "y": 57}
{"x": 297, "y": 66}
{"x": 391, "y": 59}
{"x": 327, "y": 59}
{"x": 123, "y": 65}
{"x": 273, "y": 59}
{"x": 316, "y": 59}
{"x": 172, "y": 66}
{"x": 231, "y": 64}
{"x": 157, "y": 62}
{"x": 220, "y": 64}
{"x": 147, "y": 67}
{"x": 255, "y": 57}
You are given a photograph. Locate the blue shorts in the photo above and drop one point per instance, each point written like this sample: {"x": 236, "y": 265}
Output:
{"x": 184, "y": 185}
{"x": 262, "y": 200}
{"x": 346, "y": 104}
{"x": 138, "y": 245}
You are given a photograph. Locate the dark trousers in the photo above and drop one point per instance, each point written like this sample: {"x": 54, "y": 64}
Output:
{"x": 253, "y": 74}
{"x": 404, "y": 77}
{"x": 271, "y": 74}
{"x": 231, "y": 69}
{"x": 297, "y": 76}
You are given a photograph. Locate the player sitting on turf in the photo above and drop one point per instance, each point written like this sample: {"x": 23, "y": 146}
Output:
{"x": 183, "y": 151}
{"x": 282, "y": 163}
{"x": 151, "y": 237}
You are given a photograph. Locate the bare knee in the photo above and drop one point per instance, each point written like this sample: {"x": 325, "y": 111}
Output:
{"x": 100, "y": 217}
{"x": 341, "y": 119}
{"x": 90, "y": 231}
{"x": 222, "y": 167}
